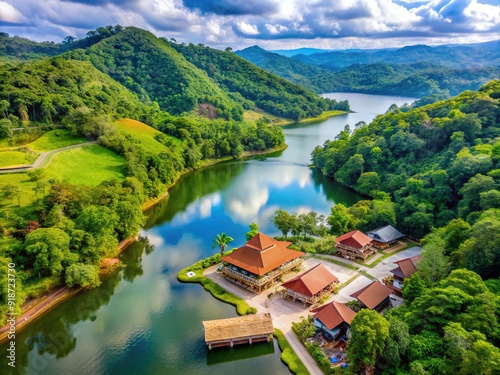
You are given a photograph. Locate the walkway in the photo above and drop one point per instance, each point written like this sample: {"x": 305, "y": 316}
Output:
{"x": 284, "y": 312}
{"x": 42, "y": 160}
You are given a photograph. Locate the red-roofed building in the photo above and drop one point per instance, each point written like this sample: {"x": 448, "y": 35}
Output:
{"x": 334, "y": 319}
{"x": 354, "y": 244}
{"x": 405, "y": 268}
{"x": 310, "y": 286}
{"x": 374, "y": 296}
{"x": 260, "y": 263}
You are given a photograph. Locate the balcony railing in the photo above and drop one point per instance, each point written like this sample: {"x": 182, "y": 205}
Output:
{"x": 270, "y": 276}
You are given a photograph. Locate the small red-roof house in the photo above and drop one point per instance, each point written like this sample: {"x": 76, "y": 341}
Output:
{"x": 354, "y": 244}
{"x": 310, "y": 286}
{"x": 405, "y": 268}
{"x": 374, "y": 296}
{"x": 334, "y": 319}
{"x": 260, "y": 263}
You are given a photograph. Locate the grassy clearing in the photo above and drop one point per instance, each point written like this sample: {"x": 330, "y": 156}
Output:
{"x": 145, "y": 134}
{"x": 26, "y": 207}
{"x": 387, "y": 255}
{"x": 323, "y": 116}
{"x": 89, "y": 165}
{"x": 54, "y": 139}
{"x": 288, "y": 355}
{"x": 255, "y": 115}
{"x": 8, "y": 158}
{"x": 242, "y": 307}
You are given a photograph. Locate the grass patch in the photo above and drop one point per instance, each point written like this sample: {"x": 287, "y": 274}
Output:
{"x": 323, "y": 116}
{"x": 28, "y": 197}
{"x": 11, "y": 158}
{"x": 346, "y": 283}
{"x": 54, "y": 139}
{"x": 338, "y": 262}
{"x": 146, "y": 135}
{"x": 255, "y": 115}
{"x": 366, "y": 274}
{"x": 387, "y": 255}
{"x": 89, "y": 165}
{"x": 242, "y": 307}
{"x": 288, "y": 355}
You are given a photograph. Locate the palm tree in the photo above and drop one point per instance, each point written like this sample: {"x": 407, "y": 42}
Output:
{"x": 222, "y": 240}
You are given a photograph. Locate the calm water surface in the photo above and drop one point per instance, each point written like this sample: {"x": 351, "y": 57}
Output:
{"x": 142, "y": 320}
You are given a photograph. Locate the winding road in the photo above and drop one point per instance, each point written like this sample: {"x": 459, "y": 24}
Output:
{"x": 42, "y": 160}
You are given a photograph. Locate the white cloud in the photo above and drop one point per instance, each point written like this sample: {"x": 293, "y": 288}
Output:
{"x": 10, "y": 14}
{"x": 246, "y": 28}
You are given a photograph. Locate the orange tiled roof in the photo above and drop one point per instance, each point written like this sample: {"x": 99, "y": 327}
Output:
{"x": 373, "y": 294}
{"x": 262, "y": 254}
{"x": 354, "y": 239}
{"x": 312, "y": 281}
{"x": 334, "y": 313}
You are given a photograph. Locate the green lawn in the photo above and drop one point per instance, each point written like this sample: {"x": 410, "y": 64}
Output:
{"x": 145, "y": 134}
{"x": 8, "y": 158}
{"x": 88, "y": 165}
{"x": 255, "y": 115}
{"x": 54, "y": 139}
{"x": 27, "y": 189}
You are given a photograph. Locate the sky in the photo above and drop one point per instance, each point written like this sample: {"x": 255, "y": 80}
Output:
{"x": 271, "y": 24}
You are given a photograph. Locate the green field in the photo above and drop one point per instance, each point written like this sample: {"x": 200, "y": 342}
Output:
{"x": 145, "y": 134}
{"x": 55, "y": 139}
{"x": 89, "y": 165}
{"x": 27, "y": 189}
{"x": 255, "y": 115}
{"x": 8, "y": 158}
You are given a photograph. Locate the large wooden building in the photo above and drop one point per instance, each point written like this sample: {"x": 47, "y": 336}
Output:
{"x": 245, "y": 329}
{"x": 310, "y": 286}
{"x": 260, "y": 263}
{"x": 354, "y": 245}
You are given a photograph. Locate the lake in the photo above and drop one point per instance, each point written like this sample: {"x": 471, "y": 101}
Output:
{"x": 141, "y": 320}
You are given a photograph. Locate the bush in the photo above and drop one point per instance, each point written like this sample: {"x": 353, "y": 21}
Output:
{"x": 288, "y": 356}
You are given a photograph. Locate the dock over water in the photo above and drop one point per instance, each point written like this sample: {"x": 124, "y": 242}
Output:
{"x": 240, "y": 330}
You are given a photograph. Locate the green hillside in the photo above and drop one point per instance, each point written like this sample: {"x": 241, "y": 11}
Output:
{"x": 253, "y": 86}
{"x": 412, "y": 71}
{"x": 156, "y": 72}
{"x": 437, "y": 162}
{"x": 49, "y": 90}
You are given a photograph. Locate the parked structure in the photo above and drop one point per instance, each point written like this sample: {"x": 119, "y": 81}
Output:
{"x": 310, "y": 286}
{"x": 260, "y": 263}
{"x": 354, "y": 245}
{"x": 374, "y": 296}
{"x": 385, "y": 236}
{"x": 241, "y": 330}
{"x": 405, "y": 268}
{"x": 334, "y": 319}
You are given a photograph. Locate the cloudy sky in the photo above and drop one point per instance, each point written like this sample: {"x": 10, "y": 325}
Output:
{"x": 272, "y": 24}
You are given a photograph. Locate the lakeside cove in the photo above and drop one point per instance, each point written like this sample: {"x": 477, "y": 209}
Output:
{"x": 162, "y": 314}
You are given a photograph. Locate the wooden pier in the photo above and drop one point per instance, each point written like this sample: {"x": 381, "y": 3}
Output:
{"x": 241, "y": 330}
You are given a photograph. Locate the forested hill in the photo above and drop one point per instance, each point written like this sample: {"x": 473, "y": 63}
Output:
{"x": 310, "y": 76}
{"x": 437, "y": 163}
{"x": 412, "y": 71}
{"x": 475, "y": 55}
{"x": 255, "y": 86}
{"x": 179, "y": 78}
{"x": 156, "y": 72}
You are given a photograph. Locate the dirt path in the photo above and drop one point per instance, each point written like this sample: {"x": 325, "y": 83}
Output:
{"x": 42, "y": 160}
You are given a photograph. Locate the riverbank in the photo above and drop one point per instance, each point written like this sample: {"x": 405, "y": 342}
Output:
{"x": 52, "y": 298}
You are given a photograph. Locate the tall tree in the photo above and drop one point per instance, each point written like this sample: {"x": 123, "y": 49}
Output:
{"x": 222, "y": 240}
{"x": 369, "y": 334}
{"x": 254, "y": 229}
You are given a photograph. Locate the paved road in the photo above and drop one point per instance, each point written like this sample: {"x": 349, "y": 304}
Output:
{"x": 42, "y": 160}
{"x": 284, "y": 312}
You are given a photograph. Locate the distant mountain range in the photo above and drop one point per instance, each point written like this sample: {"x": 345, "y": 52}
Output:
{"x": 418, "y": 70}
